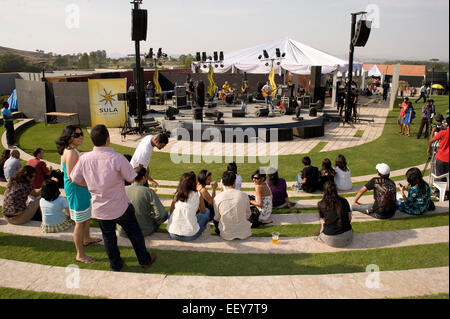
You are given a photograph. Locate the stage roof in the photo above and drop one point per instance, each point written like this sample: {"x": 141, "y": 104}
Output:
{"x": 298, "y": 60}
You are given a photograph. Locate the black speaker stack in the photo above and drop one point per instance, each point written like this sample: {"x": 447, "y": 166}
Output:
{"x": 198, "y": 114}
{"x": 139, "y": 25}
{"x": 317, "y": 92}
{"x": 362, "y": 33}
{"x": 262, "y": 113}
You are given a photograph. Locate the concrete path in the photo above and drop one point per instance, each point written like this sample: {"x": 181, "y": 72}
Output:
{"x": 256, "y": 245}
{"x": 392, "y": 284}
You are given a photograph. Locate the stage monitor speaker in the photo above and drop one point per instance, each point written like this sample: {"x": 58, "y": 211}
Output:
{"x": 362, "y": 33}
{"x": 180, "y": 90}
{"x": 198, "y": 114}
{"x": 180, "y": 101}
{"x": 312, "y": 111}
{"x": 237, "y": 113}
{"x": 262, "y": 112}
{"x": 139, "y": 25}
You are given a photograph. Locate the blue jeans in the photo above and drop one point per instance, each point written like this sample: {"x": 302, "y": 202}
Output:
{"x": 269, "y": 100}
{"x": 368, "y": 210}
{"x": 299, "y": 179}
{"x": 129, "y": 223}
{"x": 202, "y": 220}
{"x": 243, "y": 105}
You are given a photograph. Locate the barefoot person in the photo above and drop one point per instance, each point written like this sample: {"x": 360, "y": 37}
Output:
{"x": 104, "y": 172}
{"x": 78, "y": 196}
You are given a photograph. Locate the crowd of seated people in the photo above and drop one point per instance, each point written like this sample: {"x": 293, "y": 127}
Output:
{"x": 94, "y": 184}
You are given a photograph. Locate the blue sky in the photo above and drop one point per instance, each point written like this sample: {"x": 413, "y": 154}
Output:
{"x": 409, "y": 29}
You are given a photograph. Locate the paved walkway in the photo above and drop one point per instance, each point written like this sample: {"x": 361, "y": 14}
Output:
{"x": 392, "y": 284}
{"x": 337, "y": 136}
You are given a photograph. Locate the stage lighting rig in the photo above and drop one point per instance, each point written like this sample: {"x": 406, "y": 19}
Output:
{"x": 271, "y": 61}
{"x": 158, "y": 60}
{"x": 216, "y": 59}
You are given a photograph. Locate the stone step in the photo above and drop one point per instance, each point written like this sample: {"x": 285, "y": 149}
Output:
{"x": 256, "y": 245}
{"x": 122, "y": 285}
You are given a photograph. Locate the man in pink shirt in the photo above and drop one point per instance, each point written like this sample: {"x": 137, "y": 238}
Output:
{"x": 104, "y": 172}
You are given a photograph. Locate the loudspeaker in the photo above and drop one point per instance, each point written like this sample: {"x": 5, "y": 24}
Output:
{"x": 309, "y": 131}
{"x": 179, "y": 101}
{"x": 180, "y": 90}
{"x": 362, "y": 33}
{"x": 262, "y": 112}
{"x": 312, "y": 111}
{"x": 139, "y": 25}
{"x": 238, "y": 113}
{"x": 198, "y": 114}
{"x": 132, "y": 103}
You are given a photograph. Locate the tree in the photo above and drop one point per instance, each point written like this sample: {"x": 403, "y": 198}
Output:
{"x": 12, "y": 63}
{"x": 92, "y": 59}
{"x": 83, "y": 62}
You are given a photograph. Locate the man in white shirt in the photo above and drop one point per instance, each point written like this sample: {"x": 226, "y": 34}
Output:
{"x": 143, "y": 153}
{"x": 423, "y": 91}
{"x": 232, "y": 210}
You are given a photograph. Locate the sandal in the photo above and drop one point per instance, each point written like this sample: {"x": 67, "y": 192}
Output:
{"x": 92, "y": 241}
{"x": 86, "y": 260}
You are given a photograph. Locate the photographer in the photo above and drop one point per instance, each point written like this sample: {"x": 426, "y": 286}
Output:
{"x": 442, "y": 160}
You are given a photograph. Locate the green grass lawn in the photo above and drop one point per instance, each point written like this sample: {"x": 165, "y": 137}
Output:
{"x": 10, "y": 293}
{"x": 398, "y": 151}
{"x": 61, "y": 253}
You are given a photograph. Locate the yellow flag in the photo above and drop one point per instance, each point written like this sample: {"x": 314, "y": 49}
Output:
{"x": 156, "y": 81}
{"x": 212, "y": 86}
{"x": 104, "y": 103}
{"x": 272, "y": 81}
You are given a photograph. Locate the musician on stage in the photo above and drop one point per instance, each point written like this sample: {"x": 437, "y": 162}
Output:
{"x": 226, "y": 87}
{"x": 267, "y": 92}
{"x": 243, "y": 94}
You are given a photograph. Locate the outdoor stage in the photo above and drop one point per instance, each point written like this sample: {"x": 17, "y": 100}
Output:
{"x": 287, "y": 126}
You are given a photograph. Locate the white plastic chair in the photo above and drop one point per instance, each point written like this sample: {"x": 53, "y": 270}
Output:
{"x": 440, "y": 185}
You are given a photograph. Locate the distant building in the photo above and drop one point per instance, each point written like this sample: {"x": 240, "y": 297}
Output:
{"x": 413, "y": 74}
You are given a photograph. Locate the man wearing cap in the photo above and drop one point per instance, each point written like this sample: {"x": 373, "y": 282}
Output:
{"x": 384, "y": 194}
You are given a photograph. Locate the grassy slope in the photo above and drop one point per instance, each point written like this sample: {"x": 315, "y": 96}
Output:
{"x": 398, "y": 151}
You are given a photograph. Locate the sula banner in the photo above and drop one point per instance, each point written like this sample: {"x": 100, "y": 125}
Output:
{"x": 106, "y": 109}
{"x": 212, "y": 86}
{"x": 272, "y": 81}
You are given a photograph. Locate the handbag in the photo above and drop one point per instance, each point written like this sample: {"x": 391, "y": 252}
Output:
{"x": 254, "y": 217}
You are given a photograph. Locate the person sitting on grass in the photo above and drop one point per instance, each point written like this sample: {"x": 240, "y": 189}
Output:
{"x": 232, "y": 209}
{"x": 335, "y": 217}
{"x": 12, "y": 165}
{"x": 17, "y": 209}
{"x": 150, "y": 212}
{"x": 42, "y": 171}
{"x": 327, "y": 173}
{"x": 5, "y": 155}
{"x": 233, "y": 167}
{"x": 384, "y": 193}
{"x": 278, "y": 188}
{"x": 343, "y": 178}
{"x": 419, "y": 194}
{"x": 263, "y": 198}
{"x": 309, "y": 180}
{"x": 188, "y": 215}
{"x": 55, "y": 209}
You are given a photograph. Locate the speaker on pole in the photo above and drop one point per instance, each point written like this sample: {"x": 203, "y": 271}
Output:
{"x": 139, "y": 25}
{"x": 362, "y": 33}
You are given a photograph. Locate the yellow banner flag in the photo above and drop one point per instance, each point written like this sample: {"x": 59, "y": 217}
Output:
{"x": 156, "y": 81}
{"x": 272, "y": 81}
{"x": 105, "y": 107}
{"x": 212, "y": 86}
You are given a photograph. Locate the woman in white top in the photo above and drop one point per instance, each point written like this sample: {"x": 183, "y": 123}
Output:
{"x": 188, "y": 216}
{"x": 263, "y": 198}
{"x": 342, "y": 179}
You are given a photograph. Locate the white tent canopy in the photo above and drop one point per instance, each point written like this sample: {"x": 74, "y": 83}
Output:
{"x": 298, "y": 60}
{"x": 374, "y": 71}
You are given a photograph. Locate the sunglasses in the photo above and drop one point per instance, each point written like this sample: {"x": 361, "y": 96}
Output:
{"x": 77, "y": 135}
{"x": 256, "y": 177}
